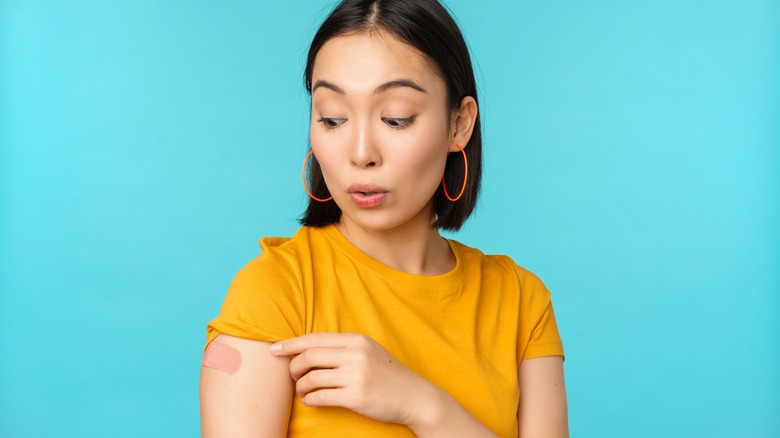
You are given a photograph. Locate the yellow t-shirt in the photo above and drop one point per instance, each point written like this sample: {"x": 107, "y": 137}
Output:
{"x": 466, "y": 330}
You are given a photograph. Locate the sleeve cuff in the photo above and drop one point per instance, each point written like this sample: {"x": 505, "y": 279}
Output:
{"x": 542, "y": 350}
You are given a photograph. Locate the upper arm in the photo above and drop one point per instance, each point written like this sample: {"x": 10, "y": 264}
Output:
{"x": 543, "y": 411}
{"x": 254, "y": 401}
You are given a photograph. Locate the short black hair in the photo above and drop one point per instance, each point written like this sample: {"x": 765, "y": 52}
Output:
{"x": 428, "y": 27}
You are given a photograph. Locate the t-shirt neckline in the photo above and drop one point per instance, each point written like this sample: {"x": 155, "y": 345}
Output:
{"x": 442, "y": 282}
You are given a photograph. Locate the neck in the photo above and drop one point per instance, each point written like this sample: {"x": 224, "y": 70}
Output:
{"x": 415, "y": 248}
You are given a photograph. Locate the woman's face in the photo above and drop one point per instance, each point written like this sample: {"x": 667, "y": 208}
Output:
{"x": 380, "y": 129}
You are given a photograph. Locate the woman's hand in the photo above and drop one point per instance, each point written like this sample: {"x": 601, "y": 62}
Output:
{"x": 354, "y": 372}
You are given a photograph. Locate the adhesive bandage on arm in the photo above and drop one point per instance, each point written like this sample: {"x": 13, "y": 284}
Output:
{"x": 222, "y": 357}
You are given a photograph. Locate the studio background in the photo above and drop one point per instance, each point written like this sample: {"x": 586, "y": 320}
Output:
{"x": 632, "y": 161}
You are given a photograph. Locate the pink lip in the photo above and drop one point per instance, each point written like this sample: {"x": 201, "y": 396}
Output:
{"x": 367, "y": 195}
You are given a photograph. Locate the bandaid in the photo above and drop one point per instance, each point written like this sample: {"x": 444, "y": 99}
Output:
{"x": 222, "y": 357}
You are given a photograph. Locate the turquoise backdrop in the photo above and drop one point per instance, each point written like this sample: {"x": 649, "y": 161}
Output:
{"x": 632, "y": 162}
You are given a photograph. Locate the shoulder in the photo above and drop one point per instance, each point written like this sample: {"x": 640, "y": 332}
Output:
{"x": 529, "y": 284}
{"x": 497, "y": 262}
{"x": 265, "y": 300}
{"x": 286, "y": 252}
{"x": 281, "y": 259}
{"x": 275, "y": 247}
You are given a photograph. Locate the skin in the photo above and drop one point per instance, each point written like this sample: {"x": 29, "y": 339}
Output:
{"x": 379, "y": 117}
{"x": 368, "y": 136}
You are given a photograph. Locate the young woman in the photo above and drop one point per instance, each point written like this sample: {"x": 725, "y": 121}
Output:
{"x": 367, "y": 323}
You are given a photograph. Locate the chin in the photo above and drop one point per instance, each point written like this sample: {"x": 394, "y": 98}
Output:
{"x": 372, "y": 223}
{"x": 383, "y": 220}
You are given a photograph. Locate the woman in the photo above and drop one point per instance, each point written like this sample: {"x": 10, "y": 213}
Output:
{"x": 367, "y": 322}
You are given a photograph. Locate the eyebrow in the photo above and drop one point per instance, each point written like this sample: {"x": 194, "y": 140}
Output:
{"x": 398, "y": 83}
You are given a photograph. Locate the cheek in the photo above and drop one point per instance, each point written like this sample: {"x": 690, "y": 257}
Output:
{"x": 322, "y": 149}
{"x": 315, "y": 136}
{"x": 424, "y": 161}
{"x": 432, "y": 146}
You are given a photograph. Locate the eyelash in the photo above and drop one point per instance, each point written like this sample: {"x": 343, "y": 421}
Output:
{"x": 325, "y": 121}
{"x": 404, "y": 122}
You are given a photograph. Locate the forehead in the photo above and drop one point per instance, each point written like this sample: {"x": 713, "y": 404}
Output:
{"x": 362, "y": 61}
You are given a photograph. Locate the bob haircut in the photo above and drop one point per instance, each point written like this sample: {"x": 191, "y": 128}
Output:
{"x": 426, "y": 26}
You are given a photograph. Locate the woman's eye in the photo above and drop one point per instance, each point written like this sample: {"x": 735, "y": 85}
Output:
{"x": 331, "y": 123}
{"x": 398, "y": 123}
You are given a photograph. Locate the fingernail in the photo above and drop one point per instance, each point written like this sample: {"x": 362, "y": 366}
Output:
{"x": 276, "y": 348}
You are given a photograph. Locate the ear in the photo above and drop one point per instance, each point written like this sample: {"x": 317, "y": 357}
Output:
{"x": 462, "y": 123}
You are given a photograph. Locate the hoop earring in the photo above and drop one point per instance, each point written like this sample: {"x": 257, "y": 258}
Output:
{"x": 303, "y": 177}
{"x": 465, "y": 177}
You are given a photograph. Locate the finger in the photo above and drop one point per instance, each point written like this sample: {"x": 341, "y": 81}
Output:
{"x": 321, "y": 339}
{"x": 324, "y": 397}
{"x": 317, "y": 380}
{"x": 317, "y": 358}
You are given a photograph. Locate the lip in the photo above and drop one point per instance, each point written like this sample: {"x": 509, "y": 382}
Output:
{"x": 367, "y": 195}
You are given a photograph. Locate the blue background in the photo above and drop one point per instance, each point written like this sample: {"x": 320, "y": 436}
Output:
{"x": 632, "y": 162}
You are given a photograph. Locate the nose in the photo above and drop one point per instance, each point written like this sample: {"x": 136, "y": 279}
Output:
{"x": 365, "y": 151}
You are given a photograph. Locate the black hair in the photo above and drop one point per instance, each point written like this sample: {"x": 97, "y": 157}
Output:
{"x": 428, "y": 27}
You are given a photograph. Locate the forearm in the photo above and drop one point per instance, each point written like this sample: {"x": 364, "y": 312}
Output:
{"x": 440, "y": 415}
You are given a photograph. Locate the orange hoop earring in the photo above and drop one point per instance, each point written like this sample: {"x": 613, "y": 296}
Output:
{"x": 465, "y": 177}
{"x": 303, "y": 177}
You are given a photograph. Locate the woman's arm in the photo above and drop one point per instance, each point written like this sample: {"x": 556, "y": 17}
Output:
{"x": 442, "y": 416}
{"x": 248, "y": 398}
{"x": 542, "y": 412}
{"x": 353, "y": 371}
